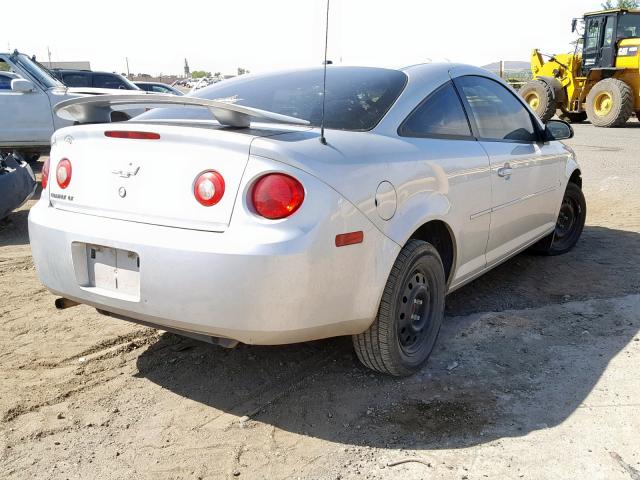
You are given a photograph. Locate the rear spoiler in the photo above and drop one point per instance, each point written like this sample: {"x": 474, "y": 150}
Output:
{"x": 97, "y": 109}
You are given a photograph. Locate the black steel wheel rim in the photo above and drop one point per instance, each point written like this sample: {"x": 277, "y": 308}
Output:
{"x": 414, "y": 313}
{"x": 567, "y": 219}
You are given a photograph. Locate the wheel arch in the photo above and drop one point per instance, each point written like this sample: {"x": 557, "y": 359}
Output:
{"x": 576, "y": 177}
{"x": 439, "y": 234}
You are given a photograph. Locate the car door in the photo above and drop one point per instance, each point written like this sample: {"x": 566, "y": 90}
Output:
{"x": 440, "y": 131}
{"x": 607, "y": 52}
{"x": 25, "y": 117}
{"x": 525, "y": 172}
{"x": 592, "y": 43}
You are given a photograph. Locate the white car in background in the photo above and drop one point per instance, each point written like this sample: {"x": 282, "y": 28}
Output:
{"x": 26, "y": 107}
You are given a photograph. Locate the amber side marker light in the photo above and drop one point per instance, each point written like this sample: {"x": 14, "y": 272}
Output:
{"x": 350, "y": 238}
{"x": 132, "y": 135}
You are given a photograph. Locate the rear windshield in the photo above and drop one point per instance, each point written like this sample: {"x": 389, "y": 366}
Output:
{"x": 357, "y": 97}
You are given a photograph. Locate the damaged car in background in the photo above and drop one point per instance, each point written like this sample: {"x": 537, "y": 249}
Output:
{"x": 232, "y": 215}
{"x": 17, "y": 183}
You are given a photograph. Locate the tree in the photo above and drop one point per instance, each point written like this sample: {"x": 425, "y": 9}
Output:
{"x": 609, "y": 4}
{"x": 200, "y": 74}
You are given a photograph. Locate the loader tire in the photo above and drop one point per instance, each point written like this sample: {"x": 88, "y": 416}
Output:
{"x": 572, "y": 117}
{"x": 610, "y": 103}
{"x": 539, "y": 95}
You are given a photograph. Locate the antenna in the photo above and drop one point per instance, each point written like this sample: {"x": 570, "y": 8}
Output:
{"x": 323, "y": 140}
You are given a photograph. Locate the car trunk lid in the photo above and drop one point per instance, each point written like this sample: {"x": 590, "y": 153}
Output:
{"x": 149, "y": 180}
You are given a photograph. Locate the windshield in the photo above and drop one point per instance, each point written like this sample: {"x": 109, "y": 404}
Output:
{"x": 629, "y": 25}
{"x": 41, "y": 75}
{"x": 357, "y": 97}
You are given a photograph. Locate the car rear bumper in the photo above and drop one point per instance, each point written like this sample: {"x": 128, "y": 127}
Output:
{"x": 229, "y": 284}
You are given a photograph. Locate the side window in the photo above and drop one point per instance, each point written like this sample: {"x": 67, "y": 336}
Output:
{"x": 608, "y": 31}
{"x": 108, "y": 81}
{"x": 76, "y": 80}
{"x": 440, "y": 115}
{"x": 5, "y": 79}
{"x": 5, "y": 82}
{"x": 498, "y": 114}
{"x": 159, "y": 89}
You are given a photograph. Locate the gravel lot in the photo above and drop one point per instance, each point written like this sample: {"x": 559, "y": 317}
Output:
{"x": 535, "y": 375}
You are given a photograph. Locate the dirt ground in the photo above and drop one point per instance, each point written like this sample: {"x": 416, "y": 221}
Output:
{"x": 535, "y": 375}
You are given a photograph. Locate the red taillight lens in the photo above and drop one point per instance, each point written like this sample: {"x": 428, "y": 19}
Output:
{"x": 277, "y": 195}
{"x": 45, "y": 174}
{"x": 63, "y": 173}
{"x": 209, "y": 188}
{"x": 132, "y": 135}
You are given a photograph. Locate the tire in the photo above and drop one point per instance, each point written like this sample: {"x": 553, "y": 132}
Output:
{"x": 569, "y": 226}
{"x": 572, "y": 117}
{"x": 610, "y": 103}
{"x": 539, "y": 95}
{"x": 410, "y": 314}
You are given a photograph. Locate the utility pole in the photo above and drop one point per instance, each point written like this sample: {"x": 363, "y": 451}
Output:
{"x": 501, "y": 68}
{"x": 49, "y": 55}
{"x": 128, "y": 73}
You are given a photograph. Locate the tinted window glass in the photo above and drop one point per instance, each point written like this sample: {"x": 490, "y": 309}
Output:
{"x": 440, "y": 114}
{"x": 5, "y": 82}
{"x": 357, "y": 97}
{"x": 76, "y": 80}
{"x": 498, "y": 114}
{"x": 629, "y": 25}
{"x": 159, "y": 89}
{"x": 608, "y": 31}
{"x": 108, "y": 81}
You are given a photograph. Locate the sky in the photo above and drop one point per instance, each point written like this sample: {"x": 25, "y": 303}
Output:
{"x": 262, "y": 35}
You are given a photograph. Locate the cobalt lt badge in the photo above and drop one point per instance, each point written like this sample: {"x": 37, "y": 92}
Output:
{"x": 122, "y": 192}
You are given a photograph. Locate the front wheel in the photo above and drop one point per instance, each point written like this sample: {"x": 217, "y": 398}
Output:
{"x": 405, "y": 330}
{"x": 569, "y": 225}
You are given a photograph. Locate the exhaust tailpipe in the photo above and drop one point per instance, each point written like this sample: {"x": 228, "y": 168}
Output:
{"x": 62, "y": 303}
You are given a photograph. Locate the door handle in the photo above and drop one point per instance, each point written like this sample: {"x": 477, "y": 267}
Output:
{"x": 505, "y": 171}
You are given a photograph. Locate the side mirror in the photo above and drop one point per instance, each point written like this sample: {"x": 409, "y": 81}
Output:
{"x": 558, "y": 130}
{"x": 574, "y": 25}
{"x": 21, "y": 85}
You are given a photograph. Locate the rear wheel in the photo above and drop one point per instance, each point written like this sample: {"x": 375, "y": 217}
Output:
{"x": 572, "y": 117}
{"x": 405, "y": 330}
{"x": 539, "y": 96}
{"x": 610, "y": 103}
{"x": 569, "y": 225}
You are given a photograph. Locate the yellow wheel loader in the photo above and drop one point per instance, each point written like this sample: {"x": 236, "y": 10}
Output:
{"x": 599, "y": 81}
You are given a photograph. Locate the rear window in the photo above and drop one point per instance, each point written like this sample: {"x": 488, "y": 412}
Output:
{"x": 357, "y": 97}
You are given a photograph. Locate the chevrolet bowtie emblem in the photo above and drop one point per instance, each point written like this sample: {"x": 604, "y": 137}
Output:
{"x": 126, "y": 173}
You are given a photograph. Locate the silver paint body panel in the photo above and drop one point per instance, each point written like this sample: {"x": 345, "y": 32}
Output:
{"x": 233, "y": 274}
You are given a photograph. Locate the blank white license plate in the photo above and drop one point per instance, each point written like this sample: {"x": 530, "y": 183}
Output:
{"x": 113, "y": 270}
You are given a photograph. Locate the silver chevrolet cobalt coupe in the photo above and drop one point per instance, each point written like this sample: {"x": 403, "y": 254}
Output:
{"x": 229, "y": 216}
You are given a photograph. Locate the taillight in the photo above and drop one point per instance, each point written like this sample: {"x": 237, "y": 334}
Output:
{"x": 277, "y": 195}
{"x": 63, "y": 173}
{"x": 45, "y": 174}
{"x": 209, "y": 188}
{"x": 132, "y": 135}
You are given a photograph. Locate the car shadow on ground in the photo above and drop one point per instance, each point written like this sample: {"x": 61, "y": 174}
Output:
{"x": 492, "y": 375}
{"x": 14, "y": 228}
